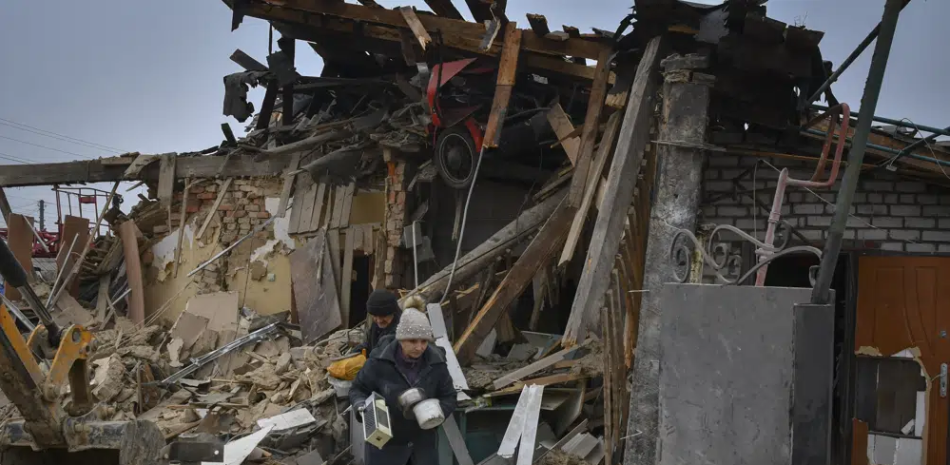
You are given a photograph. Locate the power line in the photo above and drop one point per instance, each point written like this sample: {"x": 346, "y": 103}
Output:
{"x": 12, "y": 158}
{"x": 47, "y": 147}
{"x": 56, "y": 135}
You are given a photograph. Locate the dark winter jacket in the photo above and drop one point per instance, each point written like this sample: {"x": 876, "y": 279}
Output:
{"x": 380, "y": 375}
{"x": 375, "y": 334}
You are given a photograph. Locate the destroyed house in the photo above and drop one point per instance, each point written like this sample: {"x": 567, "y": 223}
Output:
{"x": 611, "y": 229}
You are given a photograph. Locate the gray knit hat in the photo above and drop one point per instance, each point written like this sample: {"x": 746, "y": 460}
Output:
{"x": 414, "y": 325}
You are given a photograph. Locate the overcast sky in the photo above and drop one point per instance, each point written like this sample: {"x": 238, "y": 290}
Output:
{"x": 124, "y": 75}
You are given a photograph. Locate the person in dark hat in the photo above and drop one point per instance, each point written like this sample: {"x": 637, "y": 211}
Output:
{"x": 384, "y": 309}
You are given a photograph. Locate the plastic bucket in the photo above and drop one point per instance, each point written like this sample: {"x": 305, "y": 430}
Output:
{"x": 429, "y": 413}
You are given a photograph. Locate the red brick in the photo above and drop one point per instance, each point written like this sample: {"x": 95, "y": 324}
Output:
{"x": 400, "y": 198}
{"x": 225, "y": 207}
{"x": 192, "y": 208}
{"x": 264, "y": 215}
{"x": 252, "y": 208}
{"x": 206, "y": 196}
{"x": 239, "y": 213}
{"x": 196, "y": 189}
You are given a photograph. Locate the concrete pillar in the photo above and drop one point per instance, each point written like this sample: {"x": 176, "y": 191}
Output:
{"x": 676, "y": 205}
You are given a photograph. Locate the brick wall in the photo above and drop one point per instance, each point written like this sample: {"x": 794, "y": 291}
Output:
{"x": 395, "y": 262}
{"x": 240, "y": 211}
{"x": 889, "y": 212}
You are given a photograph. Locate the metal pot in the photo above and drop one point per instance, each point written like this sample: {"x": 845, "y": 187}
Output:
{"x": 408, "y": 399}
{"x": 429, "y": 413}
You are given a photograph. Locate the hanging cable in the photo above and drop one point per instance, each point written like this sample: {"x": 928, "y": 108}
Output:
{"x": 458, "y": 247}
{"x": 58, "y": 136}
{"x": 47, "y": 147}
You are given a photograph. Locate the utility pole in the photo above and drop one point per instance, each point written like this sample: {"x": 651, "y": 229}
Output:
{"x": 42, "y": 215}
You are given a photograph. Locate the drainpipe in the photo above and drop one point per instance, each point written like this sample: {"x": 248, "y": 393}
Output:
{"x": 872, "y": 89}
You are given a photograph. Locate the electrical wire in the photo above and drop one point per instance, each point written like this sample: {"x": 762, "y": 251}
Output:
{"x": 17, "y": 159}
{"x": 57, "y": 136}
{"x": 458, "y": 247}
{"x": 47, "y": 147}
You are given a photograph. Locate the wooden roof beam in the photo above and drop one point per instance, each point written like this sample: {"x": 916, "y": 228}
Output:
{"x": 444, "y": 8}
{"x": 113, "y": 169}
{"x": 368, "y": 31}
{"x": 531, "y": 41}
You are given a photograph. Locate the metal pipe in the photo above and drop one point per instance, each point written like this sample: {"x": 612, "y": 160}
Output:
{"x": 848, "y": 61}
{"x": 881, "y": 148}
{"x": 906, "y": 150}
{"x": 894, "y": 122}
{"x": 872, "y": 90}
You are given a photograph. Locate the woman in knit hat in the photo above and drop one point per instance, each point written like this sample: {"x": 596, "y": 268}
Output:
{"x": 409, "y": 361}
{"x": 384, "y": 309}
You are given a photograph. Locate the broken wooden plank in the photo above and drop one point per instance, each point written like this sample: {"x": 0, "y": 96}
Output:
{"x": 20, "y": 242}
{"x": 457, "y": 441}
{"x": 74, "y": 229}
{"x": 338, "y": 201}
{"x": 140, "y": 162}
{"x": 563, "y": 129}
{"x": 289, "y": 177}
{"x": 415, "y": 25}
{"x": 444, "y": 8}
{"x": 133, "y": 271}
{"x": 507, "y": 71}
{"x": 535, "y": 367}
{"x": 181, "y": 227}
{"x": 307, "y": 201}
{"x": 595, "y": 105}
{"x": 476, "y": 261}
{"x": 90, "y": 171}
{"x": 102, "y": 298}
{"x": 634, "y": 135}
{"x": 541, "y": 381}
{"x": 318, "y": 208}
{"x": 593, "y": 180}
{"x": 539, "y": 252}
{"x": 333, "y": 238}
{"x": 5, "y": 210}
{"x": 347, "y": 206}
{"x": 346, "y": 277}
{"x": 314, "y": 288}
{"x": 539, "y": 24}
{"x": 214, "y": 207}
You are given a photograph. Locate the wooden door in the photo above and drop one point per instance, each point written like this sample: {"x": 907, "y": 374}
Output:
{"x": 904, "y": 303}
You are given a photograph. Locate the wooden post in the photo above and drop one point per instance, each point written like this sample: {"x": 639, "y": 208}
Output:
{"x": 608, "y": 228}
{"x": 5, "y": 210}
{"x": 507, "y": 71}
{"x": 74, "y": 228}
{"x": 133, "y": 271}
{"x": 595, "y": 104}
{"x": 20, "y": 242}
{"x": 677, "y": 198}
{"x": 539, "y": 252}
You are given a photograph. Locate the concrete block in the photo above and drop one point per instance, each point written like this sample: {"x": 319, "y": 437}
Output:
{"x": 879, "y": 186}
{"x": 936, "y": 210}
{"x": 893, "y": 246}
{"x": 937, "y": 236}
{"x": 910, "y": 186}
{"x": 733, "y": 211}
{"x": 927, "y": 199}
{"x": 723, "y": 160}
{"x": 887, "y": 222}
{"x": 905, "y": 210}
{"x": 875, "y": 209}
{"x": 823, "y": 221}
{"x": 891, "y": 199}
{"x": 809, "y": 209}
{"x": 908, "y": 198}
{"x": 920, "y": 248}
{"x": 905, "y": 234}
{"x": 709, "y": 186}
{"x": 875, "y": 198}
{"x": 872, "y": 234}
{"x": 924, "y": 223}
{"x": 711, "y": 175}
